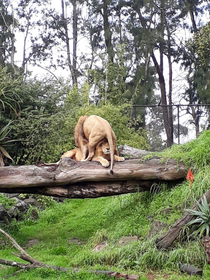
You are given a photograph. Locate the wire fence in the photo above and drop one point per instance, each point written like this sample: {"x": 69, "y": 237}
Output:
{"x": 189, "y": 120}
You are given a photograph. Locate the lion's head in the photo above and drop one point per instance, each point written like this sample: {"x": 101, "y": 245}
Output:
{"x": 102, "y": 148}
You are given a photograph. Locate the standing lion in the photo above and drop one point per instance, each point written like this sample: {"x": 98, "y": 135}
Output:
{"x": 94, "y": 129}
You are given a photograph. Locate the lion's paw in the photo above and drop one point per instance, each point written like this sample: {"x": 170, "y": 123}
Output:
{"x": 104, "y": 163}
{"x": 119, "y": 158}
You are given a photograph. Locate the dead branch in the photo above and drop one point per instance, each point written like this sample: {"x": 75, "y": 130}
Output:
{"x": 37, "y": 264}
{"x": 167, "y": 240}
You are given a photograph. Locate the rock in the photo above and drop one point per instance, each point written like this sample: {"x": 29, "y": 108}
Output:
{"x": 166, "y": 211}
{"x": 13, "y": 212}
{"x": 123, "y": 241}
{"x": 32, "y": 202}
{"x": 206, "y": 244}
{"x": 34, "y": 214}
{"x": 22, "y": 206}
{"x": 100, "y": 247}
{"x": 4, "y": 216}
{"x": 76, "y": 241}
{"x": 191, "y": 270}
{"x": 156, "y": 227}
{"x": 130, "y": 151}
{"x": 31, "y": 243}
{"x": 11, "y": 195}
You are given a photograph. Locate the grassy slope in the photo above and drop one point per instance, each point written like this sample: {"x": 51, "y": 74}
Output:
{"x": 96, "y": 220}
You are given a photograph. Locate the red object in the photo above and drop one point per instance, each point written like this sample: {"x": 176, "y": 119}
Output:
{"x": 190, "y": 176}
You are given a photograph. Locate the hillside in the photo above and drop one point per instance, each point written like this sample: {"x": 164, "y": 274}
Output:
{"x": 67, "y": 233}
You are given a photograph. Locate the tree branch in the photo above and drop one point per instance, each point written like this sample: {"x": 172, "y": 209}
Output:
{"x": 35, "y": 264}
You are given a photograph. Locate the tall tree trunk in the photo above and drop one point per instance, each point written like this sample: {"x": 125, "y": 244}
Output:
{"x": 107, "y": 31}
{"x": 190, "y": 9}
{"x": 159, "y": 69}
{"x": 166, "y": 115}
{"x": 75, "y": 20}
{"x": 65, "y": 26}
{"x": 1, "y": 53}
{"x": 163, "y": 100}
{"x": 170, "y": 109}
{"x": 24, "y": 47}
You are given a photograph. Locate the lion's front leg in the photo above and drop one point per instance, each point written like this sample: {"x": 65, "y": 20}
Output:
{"x": 102, "y": 160}
{"x": 117, "y": 158}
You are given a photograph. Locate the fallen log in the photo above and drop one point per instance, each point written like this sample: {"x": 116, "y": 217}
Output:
{"x": 132, "y": 152}
{"x": 168, "y": 239}
{"x": 73, "y": 179}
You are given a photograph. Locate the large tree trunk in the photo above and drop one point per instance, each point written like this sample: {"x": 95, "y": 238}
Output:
{"x": 67, "y": 39}
{"x": 73, "y": 179}
{"x": 107, "y": 31}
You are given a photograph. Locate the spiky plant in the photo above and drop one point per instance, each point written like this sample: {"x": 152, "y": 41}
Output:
{"x": 4, "y": 142}
{"x": 201, "y": 222}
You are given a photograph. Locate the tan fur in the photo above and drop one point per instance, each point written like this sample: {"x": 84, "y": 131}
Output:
{"x": 102, "y": 154}
{"x": 74, "y": 154}
{"x": 77, "y": 153}
{"x": 94, "y": 129}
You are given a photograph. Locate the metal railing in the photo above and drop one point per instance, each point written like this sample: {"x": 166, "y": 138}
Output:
{"x": 202, "y": 111}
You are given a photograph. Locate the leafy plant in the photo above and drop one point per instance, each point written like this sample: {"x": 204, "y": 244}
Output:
{"x": 8, "y": 95}
{"x": 201, "y": 222}
{"x": 4, "y": 142}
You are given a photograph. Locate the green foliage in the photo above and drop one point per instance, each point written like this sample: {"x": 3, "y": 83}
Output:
{"x": 200, "y": 224}
{"x": 4, "y": 142}
{"x": 195, "y": 154}
{"x": 43, "y": 136}
{"x": 44, "y": 201}
{"x": 9, "y": 98}
{"x": 202, "y": 44}
{"x": 6, "y": 202}
{"x": 51, "y": 274}
{"x": 42, "y": 127}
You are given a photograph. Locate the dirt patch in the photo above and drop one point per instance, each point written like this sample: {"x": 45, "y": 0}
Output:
{"x": 100, "y": 247}
{"x": 31, "y": 243}
{"x": 123, "y": 241}
{"x": 76, "y": 241}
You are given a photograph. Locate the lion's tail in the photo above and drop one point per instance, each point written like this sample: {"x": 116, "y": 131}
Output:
{"x": 78, "y": 131}
{"x": 111, "y": 146}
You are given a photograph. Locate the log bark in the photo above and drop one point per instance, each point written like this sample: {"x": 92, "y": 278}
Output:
{"x": 132, "y": 152}
{"x": 73, "y": 179}
{"x": 168, "y": 239}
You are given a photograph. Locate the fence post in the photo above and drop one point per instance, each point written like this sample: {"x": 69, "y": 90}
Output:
{"x": 178, "y": 124}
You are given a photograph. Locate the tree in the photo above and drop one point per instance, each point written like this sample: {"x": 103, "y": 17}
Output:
{"x": 7, "y": 30}
{"x": 30, "y": 17}
{"x": 196, "y": 62}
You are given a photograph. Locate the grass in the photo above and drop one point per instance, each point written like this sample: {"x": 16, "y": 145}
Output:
{"x": 92, "y": 221}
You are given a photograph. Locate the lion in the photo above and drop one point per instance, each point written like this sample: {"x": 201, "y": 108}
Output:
{"x": 77, "y": 153}
{"x": 101, "y": 154}
{"x": 94, "y": 129}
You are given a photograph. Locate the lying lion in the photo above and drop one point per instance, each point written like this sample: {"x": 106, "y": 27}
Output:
{"x": 95, "y": 130}
{"x": 101, "y": 154}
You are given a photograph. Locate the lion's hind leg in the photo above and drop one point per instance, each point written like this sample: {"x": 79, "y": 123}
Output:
{"x": 70, "y": 154}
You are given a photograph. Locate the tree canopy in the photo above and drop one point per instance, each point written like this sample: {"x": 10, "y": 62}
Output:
{"x": 110, "y": 53}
